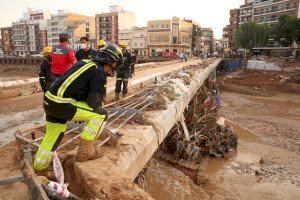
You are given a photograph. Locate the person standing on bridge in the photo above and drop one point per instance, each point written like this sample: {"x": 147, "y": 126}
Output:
{"x": 86, "y": 52}
{"x": 124, "y": 72}
{"x": 77, "y": 95}
{"x": 62, "y": 56}
{"x": 45, "y": 69}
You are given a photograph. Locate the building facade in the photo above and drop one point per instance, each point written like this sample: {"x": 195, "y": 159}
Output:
{"x": 125, "y": 35}
{"x": 246, "y": 13}
{"x": 208, "y": 40}
{"x": 37, "y": 30}
{"x": 268, "y": 11}
{"x": 225, "y": 40}
{"x": 75, "y": 25}
{"x": 29, "y": 33}
{"x": 7, "y": 42}
{"x": 174, "y": 35}
{"x": 20, "y": 37}
{"x": 196, "y": 43}
{"x": 109, "y": 24}
{"x": 261, "y": 12}
{"x": 139, "y": 42}
{"x": 233, "y": 26}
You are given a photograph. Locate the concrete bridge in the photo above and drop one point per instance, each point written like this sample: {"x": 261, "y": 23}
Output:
{"x": 112, "y": 176}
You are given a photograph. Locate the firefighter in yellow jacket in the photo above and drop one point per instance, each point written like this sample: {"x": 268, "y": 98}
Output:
{"x": 77, "y": 96}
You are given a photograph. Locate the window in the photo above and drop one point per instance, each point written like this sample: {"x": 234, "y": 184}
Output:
{"x": 174, "y": 40}
{"x": 152, "y": 39}
{"x": 87, "y": 30}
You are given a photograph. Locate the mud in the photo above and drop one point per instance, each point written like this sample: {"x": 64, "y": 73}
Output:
{"x": 9, "y": 72}
{"x": 266, "y": 163}
{"x": 166, "y": 183}
{"x": 10, "y": 166}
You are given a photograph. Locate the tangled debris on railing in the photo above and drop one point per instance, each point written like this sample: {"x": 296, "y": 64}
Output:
{"x": 208, "y": 135}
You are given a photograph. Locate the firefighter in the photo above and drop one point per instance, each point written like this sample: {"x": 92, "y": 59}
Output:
{"x": 134, "y": 61}
{"x": 77, "y": 96}
{"x": 62, "y": 56}
{"x": 45, "y": 69}
{"x": 124, "y": 72}
{"x": 86, "y": 52}
{"x": 101, "y": 44}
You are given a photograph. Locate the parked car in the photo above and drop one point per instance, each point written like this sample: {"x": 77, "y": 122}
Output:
{"x": 171, "y": 55}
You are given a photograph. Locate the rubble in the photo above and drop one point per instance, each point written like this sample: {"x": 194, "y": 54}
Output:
{"x": 209, "y": 136}
{"x": 283, "y": 62}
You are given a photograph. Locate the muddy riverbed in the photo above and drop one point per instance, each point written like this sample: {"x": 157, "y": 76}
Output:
{"x": 265, "y": 166}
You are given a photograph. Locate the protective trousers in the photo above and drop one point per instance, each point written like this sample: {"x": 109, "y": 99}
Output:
{"x": 122, "y": 77}
{"x": 57, "y": 115}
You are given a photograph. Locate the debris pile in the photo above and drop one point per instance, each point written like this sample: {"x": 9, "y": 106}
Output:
{"x": 208, "y": 135}
{"x": 165, "y": 90}
{"x": 283, "y": 62}
{"x": 294, "y": 76}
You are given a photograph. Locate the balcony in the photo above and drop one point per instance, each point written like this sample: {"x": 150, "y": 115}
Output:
{"x": 274, "y": 11}
{"x": 246, "y": 14}
{"x": 260, "y": 3}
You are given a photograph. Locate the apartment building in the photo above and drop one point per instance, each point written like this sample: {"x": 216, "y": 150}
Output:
{"x": 225, "y": 40}
{"x": 171, "y": 35}
{"x": 233, "y": 26}
{"x": 76, "y": 25}
{"x": 109, "y": 24}
{"x": 125, "y": 35}
{"x": 37, "y": 30}
{"x": 246, "y": 12}
{"x": 7, "y": 42}
{"x": 208, "y": 40}
{"x": 29, "y": 33}
{"x": 20, "y": 37}
{"x": 139, "y": 42}
{"x": 268, "y": 11}
{"x": 196, "y": 37}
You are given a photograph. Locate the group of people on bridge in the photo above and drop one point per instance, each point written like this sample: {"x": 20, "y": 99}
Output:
{"x": 74, "y": 86}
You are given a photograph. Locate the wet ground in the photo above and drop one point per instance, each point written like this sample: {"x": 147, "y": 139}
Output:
{"x": 266, "y": 164}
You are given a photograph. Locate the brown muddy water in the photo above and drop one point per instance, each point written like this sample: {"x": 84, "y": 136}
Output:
{"x": 236, "y": 176}
{"x": 167, "y": 183}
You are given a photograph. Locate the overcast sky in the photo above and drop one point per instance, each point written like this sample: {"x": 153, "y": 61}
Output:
{"x": 209, "y": 13}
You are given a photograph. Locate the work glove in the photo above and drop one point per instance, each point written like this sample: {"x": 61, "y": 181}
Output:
{"x": 101, "y": 111}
